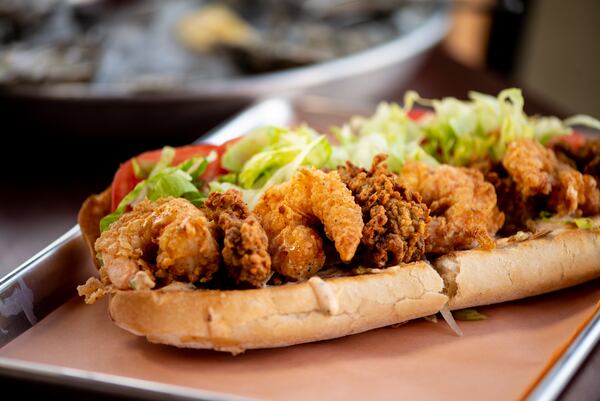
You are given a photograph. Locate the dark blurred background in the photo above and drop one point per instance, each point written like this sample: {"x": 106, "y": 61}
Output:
{"x": 550, "y": 47}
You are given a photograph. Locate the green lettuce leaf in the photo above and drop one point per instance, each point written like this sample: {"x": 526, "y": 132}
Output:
{"x": 164, "y": 181}
{"x": 468, "y": 315}
{"x": 390, "y": 130}
{"x": 583, "y": 120}
{"x": 241, "y": 151}
{"x": 463, "y": 131}
{"x": 259, "y": 156}
{"x": 583, "y": 223}
{"x": 314, "y": 154}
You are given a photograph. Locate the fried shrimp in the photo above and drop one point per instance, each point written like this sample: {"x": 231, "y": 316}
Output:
{"x": 537, "y": 171}
{"x": 168, "y": 239}
{"x": 395, "y": 218}
{"x": 245, "y": 243}
{"x": 289, "y": 213}
{"x": 531, "y": 166}
{"x": 462, "y": 205}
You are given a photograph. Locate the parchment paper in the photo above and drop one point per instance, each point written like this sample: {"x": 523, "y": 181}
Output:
{"x": 496, "y": 359}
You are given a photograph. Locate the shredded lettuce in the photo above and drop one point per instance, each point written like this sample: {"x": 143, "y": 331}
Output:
{"x": 262, "y": 153}
{"x": 270, "y": 156}
{"x": 241, "y": 151}
{"x": 163, "y": 181}
{"x": 390, "y": 130}
{"x": 462, "y": 131}
{"x": 545, "y": 215}
{"x": 468, "y": 315}
{"x": 457, "y": 132}
{"x": 584, "y": 223}
{"x": 583, "y": 120}
{"x": 315, "y": 154}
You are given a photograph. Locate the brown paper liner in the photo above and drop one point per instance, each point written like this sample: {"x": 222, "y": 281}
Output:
{"x": 556, "y": 355}
{"x": 496, "y": 359}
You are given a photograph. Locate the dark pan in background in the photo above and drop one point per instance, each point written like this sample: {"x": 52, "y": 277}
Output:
{"x": 108, "y": 124}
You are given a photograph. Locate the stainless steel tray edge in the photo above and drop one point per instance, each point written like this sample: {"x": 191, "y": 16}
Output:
{"x": 42, "y": 284}
{"x": 105, "y": 383}
{"x": 556, "y": 380}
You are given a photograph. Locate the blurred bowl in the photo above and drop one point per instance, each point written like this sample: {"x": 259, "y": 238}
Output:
{"x": 182, "y": 114}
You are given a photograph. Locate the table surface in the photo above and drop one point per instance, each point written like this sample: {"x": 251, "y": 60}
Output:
{"x": 46, "y": 203}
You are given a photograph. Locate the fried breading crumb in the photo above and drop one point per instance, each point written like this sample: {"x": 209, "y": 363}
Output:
{"x": 93, "y": 290}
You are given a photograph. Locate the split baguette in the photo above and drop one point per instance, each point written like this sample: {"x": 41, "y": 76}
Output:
{"x": 282, "y": 315}
{"x": 322, "y": 309}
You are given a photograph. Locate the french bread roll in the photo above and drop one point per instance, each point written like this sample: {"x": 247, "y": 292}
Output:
{"x": 562, "y": 258}
{"x": 278, "y": 316}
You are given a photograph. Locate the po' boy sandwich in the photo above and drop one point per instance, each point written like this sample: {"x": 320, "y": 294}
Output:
{"x": 287, "y": 236}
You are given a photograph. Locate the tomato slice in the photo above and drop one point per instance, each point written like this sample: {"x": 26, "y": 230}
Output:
{"x": 416, "y": 114}
{"x": 125, "y": 179}
{"x": 575, "y": 140}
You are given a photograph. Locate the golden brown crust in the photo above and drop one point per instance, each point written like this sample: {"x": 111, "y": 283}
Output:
{"x": 283, "y": 315}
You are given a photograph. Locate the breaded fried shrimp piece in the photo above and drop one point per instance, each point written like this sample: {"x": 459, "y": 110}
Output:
{"x": 574, "y": 193}
{"x": 296, "y": 248}
{"x": 333, "y": 204}
{"x": 297, "y": 252}
{"x": 537, "y": 171}
{"x": 289, "y": 212}
{"x": 463, "y": 208}
{"x": 395, "y": 218}
{"x": 530, "y": 165}
{"x": 168, "y": 239}
{"x": 245, "y": 243}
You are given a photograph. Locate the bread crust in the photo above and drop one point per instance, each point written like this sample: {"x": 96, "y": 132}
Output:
{"x": 559, "y": 259}
{"x": 282, "y": 315}
{"x": 94, "y": 208}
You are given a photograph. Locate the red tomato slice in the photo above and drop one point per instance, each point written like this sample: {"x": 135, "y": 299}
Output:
{"x": 575, "y": 140}
{"x": 125, "y": 179}
{"x": 416, "y": 114}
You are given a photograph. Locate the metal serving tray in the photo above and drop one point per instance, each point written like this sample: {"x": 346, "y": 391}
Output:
{"x": 48, "y": 280}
